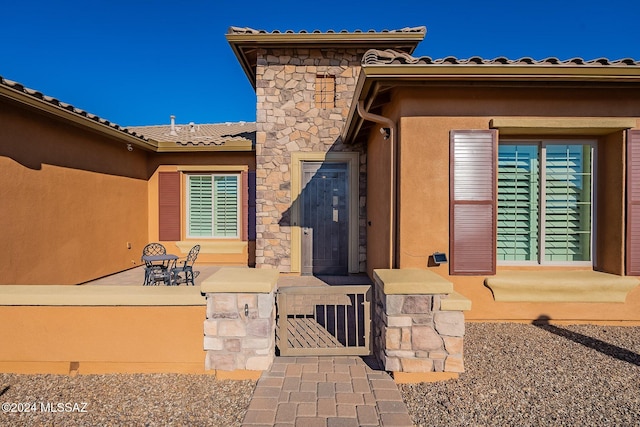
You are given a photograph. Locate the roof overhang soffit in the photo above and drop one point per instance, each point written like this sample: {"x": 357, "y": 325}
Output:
{"x": 75, "y": 119}
{"x": 375, "y": 82}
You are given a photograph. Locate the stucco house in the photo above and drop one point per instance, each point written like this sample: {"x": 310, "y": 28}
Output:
{"x": 524, "y": 173}
{"x": 81, "y": 198}
{"x": 521, "y": 171}
{"x": 66, "y": 171}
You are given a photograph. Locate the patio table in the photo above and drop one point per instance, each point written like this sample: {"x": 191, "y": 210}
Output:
{"x": 162, "y": 260}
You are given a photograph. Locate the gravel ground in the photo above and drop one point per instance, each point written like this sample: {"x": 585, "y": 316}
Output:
{"x": 126, "y": 400}
{"x": 523, "y": 375}
{"x": 516, "y": 375}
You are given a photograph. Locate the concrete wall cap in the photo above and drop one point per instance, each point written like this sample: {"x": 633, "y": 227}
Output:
{"x": 90, "y": 295}
{"x": 560, "y": 286}
{"x": 412, "y": 281}
{"x": 241, "y": 280}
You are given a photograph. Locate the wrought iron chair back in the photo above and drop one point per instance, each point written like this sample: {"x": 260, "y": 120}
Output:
{"x": 186, "y": 268}
{"x": 154, "y": 272}
{"x": 193, "y": 254}
{"x": 154, "y": 249}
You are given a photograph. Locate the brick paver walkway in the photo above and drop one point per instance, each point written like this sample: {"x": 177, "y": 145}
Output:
{"x": 326, "y": 392}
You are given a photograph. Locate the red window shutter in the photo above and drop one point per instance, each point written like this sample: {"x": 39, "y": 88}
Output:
{"x": 251, "y": 215}
{"x": 245, "y": 206}
{"x": 472, "y": 210}
{"x": 169, "y": 206}
{"x": 633, "y": 203}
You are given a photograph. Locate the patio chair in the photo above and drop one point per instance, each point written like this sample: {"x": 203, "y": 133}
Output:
{"x": 154, "y": 273}
{"x": 186, "y": 268}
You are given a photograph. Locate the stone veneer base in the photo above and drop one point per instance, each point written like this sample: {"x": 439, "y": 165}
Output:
{"x": 412, "y": 332}
{"x": 239, "y": 331}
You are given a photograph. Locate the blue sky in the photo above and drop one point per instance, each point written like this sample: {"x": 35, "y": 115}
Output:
{"x": 136, "y": 62}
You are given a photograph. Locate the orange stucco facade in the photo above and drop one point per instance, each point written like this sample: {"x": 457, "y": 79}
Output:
{"x": 79, "y": 200}
{"x": 77, "y": 205}
{"x": 74, "y": 202}
{"x": 425, "y": 117}
{"x": 62, "y": 339}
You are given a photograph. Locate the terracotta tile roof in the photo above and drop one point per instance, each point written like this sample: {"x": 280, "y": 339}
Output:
{"x": 246, "y": 43}
{"x": 200, "y": 134}
{"x": 48, "y": 100}
{"x": 381, "y": 57}
{"x": 247, "y": 30}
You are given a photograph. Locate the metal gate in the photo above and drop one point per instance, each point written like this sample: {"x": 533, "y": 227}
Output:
{"x": 324, "y": 320}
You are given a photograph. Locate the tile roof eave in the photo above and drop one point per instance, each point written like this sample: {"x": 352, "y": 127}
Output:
{"x": 326, "y": 40}
{"x": 419, "y": 31}
{"x": 499, "y": 72}
{"x": 241, "y": 39}
{"x": 390, "y": 58}
{"x": 232, "y": 145}
{"x": 34, "y": 99}
{"x": 392, "y": 66}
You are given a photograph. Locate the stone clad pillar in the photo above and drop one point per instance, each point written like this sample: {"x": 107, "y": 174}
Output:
{"x": 239, "y": 331}
{"x": 288, "y": 120}
{"x": 418, "y": 322}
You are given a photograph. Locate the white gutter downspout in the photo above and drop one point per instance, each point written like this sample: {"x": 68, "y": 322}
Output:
{"x": 388, "y": 130}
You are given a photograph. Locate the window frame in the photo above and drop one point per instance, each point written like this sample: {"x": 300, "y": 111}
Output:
{"x": 325, "y": 96}
{"x": 239, "y": 184}
{"x": 542, "y": 144}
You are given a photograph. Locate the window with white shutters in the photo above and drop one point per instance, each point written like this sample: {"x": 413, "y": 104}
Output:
{"x": 545, "y": 202}
{"x": 518, "y": 207}
{"x": 213, "y": 205}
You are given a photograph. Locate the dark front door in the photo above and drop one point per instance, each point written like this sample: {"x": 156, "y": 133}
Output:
{"x": 325, "y": 218}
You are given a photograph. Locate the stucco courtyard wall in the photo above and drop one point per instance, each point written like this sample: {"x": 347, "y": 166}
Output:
{"x": 74, "y": 202}
{"x": 101, "y": 339}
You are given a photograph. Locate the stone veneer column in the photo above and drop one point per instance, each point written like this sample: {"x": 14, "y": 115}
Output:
{"x": 418, "y": 322}
{"x": 239, "y": 331}
{"x": 288, "y": 120}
